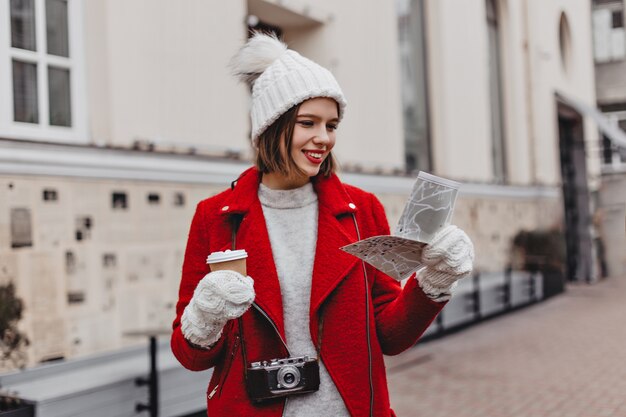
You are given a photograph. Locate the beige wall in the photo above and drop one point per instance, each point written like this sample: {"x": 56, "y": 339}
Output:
{"x": 159, "y": 72}
{"x": 517, "y": 117}
{"x": 137, "y": 290}
{"x": 460, "y": 88}
{"x": 166, "y": 79}
{"x": 156, "y": 71}
{"x": 360, "y": 46}
{"x": 549, "y": 74}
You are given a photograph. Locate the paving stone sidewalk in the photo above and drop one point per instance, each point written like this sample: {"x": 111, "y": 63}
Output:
{"x": 565, "y": 357}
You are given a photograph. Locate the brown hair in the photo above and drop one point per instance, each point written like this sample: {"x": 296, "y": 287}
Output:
{"x": 269, "y": 157}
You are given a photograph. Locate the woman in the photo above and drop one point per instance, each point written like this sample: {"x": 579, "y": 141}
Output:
{"x": 292, "y": 214}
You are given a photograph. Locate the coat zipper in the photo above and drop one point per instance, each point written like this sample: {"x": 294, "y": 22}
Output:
{"x": 367, "y": 323}
{"x": 213, "y": 392}
{"x": 220, "y": 383}
{"x": 228, "y": 364}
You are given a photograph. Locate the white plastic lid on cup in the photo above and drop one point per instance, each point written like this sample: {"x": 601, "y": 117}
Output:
{"x": 227, "y": 255}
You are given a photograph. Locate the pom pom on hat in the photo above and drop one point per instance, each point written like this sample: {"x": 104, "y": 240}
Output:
{"x": 256, "y": 56}
{"x": 280, "y": 78}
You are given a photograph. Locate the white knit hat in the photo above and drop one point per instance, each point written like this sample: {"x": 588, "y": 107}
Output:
{"x": 281, "y": 78}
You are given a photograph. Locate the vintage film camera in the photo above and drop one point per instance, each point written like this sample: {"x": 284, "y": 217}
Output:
{"x": 282, "y": 377}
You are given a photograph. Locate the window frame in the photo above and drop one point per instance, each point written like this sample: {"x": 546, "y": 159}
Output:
{"x": 617, "y": 157}
{"x": 43, "y": 131}
{"x": 610, "y": 7}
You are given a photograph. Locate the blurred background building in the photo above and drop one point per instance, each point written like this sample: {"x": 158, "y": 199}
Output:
{"x": 610, "y": 64}
{"x": 117, "y": 117}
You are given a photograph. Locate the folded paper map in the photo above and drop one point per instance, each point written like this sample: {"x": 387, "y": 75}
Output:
{"x": 428, "y": 209}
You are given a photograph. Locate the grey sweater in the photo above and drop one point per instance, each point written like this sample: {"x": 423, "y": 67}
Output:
{"x": 291, "y": 219}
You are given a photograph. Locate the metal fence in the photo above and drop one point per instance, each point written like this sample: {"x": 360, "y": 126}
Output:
{"x": 485, "y": 296}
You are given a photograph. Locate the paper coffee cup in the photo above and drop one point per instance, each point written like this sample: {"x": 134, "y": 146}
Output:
{"x": 233, "y": 260}
{"x": 429, "y": 208}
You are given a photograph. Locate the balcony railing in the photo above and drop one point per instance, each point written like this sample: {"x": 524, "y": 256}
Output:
{"x": 487, "y": 295}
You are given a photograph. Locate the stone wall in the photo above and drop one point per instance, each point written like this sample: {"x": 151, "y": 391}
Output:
{"x": 492, "y": 222}
{"x": 93, "y": 259}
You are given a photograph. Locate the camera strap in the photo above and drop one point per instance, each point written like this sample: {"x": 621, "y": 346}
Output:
{"x": 235, "y": 221}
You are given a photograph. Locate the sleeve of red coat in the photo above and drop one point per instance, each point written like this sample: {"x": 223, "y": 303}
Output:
{"x": 402, "y": 315}
{"x": 194, "y": 269}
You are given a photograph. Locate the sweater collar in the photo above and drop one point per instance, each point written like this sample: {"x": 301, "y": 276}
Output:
{"x": 287, "y": 199}
{"x": 331, "y": 194}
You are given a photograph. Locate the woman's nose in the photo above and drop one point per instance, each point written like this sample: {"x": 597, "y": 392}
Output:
{"x": 322, "y": 136}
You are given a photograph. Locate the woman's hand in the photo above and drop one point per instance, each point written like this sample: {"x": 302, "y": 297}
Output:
{"x": 448, "y": 258}
{"x": 220, "y": 296}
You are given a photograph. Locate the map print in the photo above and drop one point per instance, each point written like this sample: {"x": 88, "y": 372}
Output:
{"x": 428, "y": 209}
{"x": 395, "y": 256}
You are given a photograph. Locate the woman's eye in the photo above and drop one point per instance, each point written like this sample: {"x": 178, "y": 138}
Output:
{"x": 331, "y": 127}
{"x": 305, "y": 123}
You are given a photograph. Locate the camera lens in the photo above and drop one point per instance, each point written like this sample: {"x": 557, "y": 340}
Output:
{"x": 288, "y": 377}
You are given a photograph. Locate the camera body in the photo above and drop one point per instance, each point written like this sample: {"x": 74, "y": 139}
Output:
{"x": 278, "y": 378}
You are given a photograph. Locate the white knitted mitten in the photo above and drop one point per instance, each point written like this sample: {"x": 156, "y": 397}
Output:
{"x": 448, "y": 258}
{"x": 220, "y": 296}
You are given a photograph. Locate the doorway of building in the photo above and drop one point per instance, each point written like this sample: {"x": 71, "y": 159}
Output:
{"x": 577, "y": 212}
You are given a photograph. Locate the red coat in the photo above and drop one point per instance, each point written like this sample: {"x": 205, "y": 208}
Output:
{"x": 397, "y": 317}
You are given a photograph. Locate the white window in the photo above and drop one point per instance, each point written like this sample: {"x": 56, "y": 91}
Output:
{"x": 42, "y": 75}
{"x": 612, "y": 154}
{"x": 609, "y": 38}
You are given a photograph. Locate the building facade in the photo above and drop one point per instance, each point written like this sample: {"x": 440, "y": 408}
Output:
{"x": 609, "y": 39}
{"x": 498, "y": 77}
{"x": 117, "y": 117}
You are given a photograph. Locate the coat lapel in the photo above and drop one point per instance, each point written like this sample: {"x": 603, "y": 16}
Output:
{"x": 331, "y": 263}
{"x": 335, "y": 229}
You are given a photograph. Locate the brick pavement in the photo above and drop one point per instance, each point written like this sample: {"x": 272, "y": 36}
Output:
{"x": 565, "y": 357}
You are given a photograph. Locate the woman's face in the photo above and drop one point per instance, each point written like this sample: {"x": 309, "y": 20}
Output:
{"x": 312, "y": 139}
{"x": 314, "y": 134}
